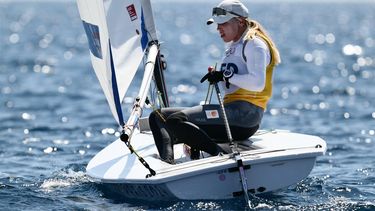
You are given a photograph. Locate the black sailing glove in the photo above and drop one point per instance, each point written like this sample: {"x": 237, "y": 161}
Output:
{"x": 213, "y": 77}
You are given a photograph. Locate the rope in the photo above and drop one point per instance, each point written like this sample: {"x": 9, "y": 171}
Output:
{"x": 124, "y": 138}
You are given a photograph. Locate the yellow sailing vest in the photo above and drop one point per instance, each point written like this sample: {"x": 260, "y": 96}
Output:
{"x": 257, "y": 98}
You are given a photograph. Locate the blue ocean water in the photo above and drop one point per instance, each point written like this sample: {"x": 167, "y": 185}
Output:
{"x": 54, "y": 117}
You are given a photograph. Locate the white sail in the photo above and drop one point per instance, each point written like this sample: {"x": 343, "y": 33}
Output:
{"x": 118, "y": 32}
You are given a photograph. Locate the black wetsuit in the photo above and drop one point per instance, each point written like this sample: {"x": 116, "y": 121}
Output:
{"x": 202, "y": 127}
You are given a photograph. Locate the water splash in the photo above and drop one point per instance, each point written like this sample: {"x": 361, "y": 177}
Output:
{"x": 73, "y": 175}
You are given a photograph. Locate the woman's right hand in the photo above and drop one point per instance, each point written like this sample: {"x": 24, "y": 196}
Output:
{"x": 213, "y": 77}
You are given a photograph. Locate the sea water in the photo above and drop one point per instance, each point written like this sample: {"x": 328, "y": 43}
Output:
{"x": 54, "y": 117}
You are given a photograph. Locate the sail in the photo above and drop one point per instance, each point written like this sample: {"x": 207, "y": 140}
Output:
{"x": 118, "y": 33}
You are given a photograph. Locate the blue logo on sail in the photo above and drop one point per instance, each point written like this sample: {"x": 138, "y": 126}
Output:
{"x": 93, "y": 36}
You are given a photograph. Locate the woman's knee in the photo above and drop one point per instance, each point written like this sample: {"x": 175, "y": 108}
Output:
{"x": 175, "y": 119}
{"x": 240, "y": 133}
{"x": 155, "y": 120}
{"x": 152, "y": 118}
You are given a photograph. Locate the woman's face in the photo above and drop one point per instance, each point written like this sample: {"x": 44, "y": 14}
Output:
{"x": 230, "y": 30}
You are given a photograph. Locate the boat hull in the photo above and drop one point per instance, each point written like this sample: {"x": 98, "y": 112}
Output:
{"x": 267, "y": 168}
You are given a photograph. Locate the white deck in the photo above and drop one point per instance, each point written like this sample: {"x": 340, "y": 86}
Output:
{"x": 115, "y": 164}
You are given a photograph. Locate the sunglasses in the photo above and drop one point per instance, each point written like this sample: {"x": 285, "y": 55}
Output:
{"x": 217, "y": 11}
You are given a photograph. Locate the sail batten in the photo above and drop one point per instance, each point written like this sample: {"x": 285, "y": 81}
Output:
{"x": 118, "y": 33}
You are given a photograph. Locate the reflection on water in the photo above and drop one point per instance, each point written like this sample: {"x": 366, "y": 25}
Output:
{"x": 54, "y": 117}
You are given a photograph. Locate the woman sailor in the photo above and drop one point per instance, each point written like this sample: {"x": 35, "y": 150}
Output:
{"x": 246, "y": 78}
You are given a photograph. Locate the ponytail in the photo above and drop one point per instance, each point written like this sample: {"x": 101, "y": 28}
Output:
{"x": 256, "y": 28}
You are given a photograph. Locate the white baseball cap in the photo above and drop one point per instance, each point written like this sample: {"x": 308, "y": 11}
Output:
{"x": 227, "y": 10}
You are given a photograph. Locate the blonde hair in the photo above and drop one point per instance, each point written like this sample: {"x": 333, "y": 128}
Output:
{"x": 255, "y": 28}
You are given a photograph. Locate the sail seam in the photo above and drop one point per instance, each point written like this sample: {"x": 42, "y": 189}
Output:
{"x": 116, "y": 96}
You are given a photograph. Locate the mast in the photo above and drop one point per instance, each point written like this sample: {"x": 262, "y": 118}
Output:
{"x": 139, "y": 103}
{"x": 160, "y": 66}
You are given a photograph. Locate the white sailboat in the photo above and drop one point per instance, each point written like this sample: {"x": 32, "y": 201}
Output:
{"x": 120, "y": 34}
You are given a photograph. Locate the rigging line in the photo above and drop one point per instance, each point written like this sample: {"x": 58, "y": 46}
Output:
{"x": 124, "y": 138}
{"x": 153, "y": 93}
{"x": 209, "y": 94}
{"x": 159, "y": 96}
{"x": 208, "y": 91}
{"x": 156, "y": 110}
{"x": 140, "y": 158}
{"x": 212, "y": 90}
